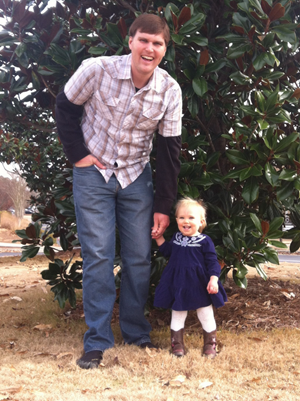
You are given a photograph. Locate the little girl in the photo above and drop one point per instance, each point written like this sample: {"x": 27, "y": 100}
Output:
{"x": 190, "y": 280}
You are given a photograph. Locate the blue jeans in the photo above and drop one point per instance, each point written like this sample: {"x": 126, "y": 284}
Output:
{"x": 99, "y": 207}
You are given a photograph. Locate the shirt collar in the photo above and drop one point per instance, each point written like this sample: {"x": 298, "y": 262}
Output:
{"x": 124, "y": 72}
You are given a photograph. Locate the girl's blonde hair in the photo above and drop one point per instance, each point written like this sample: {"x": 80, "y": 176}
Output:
{"x": 184, "y": 202}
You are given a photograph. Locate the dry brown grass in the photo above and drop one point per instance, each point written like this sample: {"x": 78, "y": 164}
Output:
{"x": 11, "y": 223}
{"x": 39, "y": 345}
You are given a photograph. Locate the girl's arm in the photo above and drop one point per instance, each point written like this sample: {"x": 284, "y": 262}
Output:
{"x": 212, "y": 266}
{"x": 160, "y": 240}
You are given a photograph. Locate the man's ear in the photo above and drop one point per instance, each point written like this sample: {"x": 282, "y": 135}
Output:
{"x": 130, "y": 41}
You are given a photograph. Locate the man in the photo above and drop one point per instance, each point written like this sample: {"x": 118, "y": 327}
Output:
{"x": 126, "y": 99}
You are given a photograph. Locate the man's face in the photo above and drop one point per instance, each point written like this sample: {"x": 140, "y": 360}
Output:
{"x": 147, "y": 52}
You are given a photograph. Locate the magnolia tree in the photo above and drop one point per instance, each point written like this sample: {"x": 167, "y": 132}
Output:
{"x": 237, "y": 63}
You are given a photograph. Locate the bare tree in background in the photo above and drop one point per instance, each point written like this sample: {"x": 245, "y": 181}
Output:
{"x": 5, "y": 200}
{"x": 16, "y": 188}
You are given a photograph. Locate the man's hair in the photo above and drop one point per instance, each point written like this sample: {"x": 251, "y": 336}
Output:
{"x": 152, "y": 24}
{"x": 184, "y": 202}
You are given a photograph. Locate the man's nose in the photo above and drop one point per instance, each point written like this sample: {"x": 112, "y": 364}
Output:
{"x": 149, "y": 47}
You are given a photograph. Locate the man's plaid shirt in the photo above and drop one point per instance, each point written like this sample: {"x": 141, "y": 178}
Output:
{"x": 119, "y": 122}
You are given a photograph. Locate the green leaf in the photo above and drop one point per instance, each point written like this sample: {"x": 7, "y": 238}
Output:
{"x": 250, "y": 191}
{"x": 285, "y": 34}
{"x": 271, "y": 100}
{"x": 285, "y": 191}
{"x": 193, "y": 106}
{"x": 192, "y": 25}
{"x": 275, "y": 224}
{"x": 271, "y": 256}
{"x": 261, "y": 271}
{"x": 235, "y": 52}
{"x": 212, "y": 159}
{"x": 236, "y": 156}
{"x": 229, "y": 243}
{"x": 253, "y": 171}
{"x": 285, "y": 142}
{"x": 256, "y": 222}
{"x": 97, "y": 51}
{"x": 199, "y": 86}
{"x": 271, "y": 174}
{"x": 29, "y": 251}
{"x": 263, "y": 59}
{"x": 198, "y": 39}
{"x": 288, "y": 175}
{"x": 114, "y": 33}
{"x": 263, "y": 124}
{"x": 278, "y": 244}
{"x": 275, "y": 75}
{"x": 261, "y": 101}
{"x": 21, "y": 48}
{"x": 216, "y": 66}
{"x": 171, "y": 8}
{"x": 178, "y": 39}
{"x": 294, "y": 246}
{"x": 233, "y": 174}
{"x": 240, "y": 78}
{"x": 242, "y": 283}
{"x": 241, "y": 271}
{"x": 241, "y": 21}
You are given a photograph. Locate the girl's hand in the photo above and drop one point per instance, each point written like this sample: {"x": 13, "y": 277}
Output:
{"x": 159, "y": 240}
{"x": 213, "y": 286}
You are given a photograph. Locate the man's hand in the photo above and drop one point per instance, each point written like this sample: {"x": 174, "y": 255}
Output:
{"x": 161, "y": 222}
{"x": 89, "y": 160}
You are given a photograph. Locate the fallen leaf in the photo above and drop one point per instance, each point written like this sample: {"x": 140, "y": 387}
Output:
{"x": 180, "y": 378}
{"x": 43, "y": 354}
{"x": 160, "y": 322}
{"x": 63, "y": 354}
{"x": 249, "y": 317}
{"x": 204, "y": 385}
{"x": 151, "y": 352}
{"x": 257, "y": 339}
{"x": 175, "y": 383}
{"x": 18, "y": 299}
{"x": 42, "y": 327}
{"x": 11, "y": 390}
{"x": 288, "y": 295}
{"x": 234, "y": 296}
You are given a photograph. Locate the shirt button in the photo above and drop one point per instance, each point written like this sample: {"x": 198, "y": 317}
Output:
{"x": 116, "y": 164}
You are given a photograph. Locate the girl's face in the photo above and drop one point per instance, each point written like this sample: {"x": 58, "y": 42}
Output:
{"x": 189, "y": 220}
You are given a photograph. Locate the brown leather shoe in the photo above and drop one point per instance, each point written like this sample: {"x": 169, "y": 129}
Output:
{"x": 177, "y": 342}
{"x": 210, "y": 344}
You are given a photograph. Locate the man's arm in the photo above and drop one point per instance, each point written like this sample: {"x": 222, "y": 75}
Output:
{"x": 68, "y": 116}
{"x": 167, "y": 170}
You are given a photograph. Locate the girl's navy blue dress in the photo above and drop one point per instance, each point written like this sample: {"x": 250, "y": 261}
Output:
{"x": 192, "y": 261}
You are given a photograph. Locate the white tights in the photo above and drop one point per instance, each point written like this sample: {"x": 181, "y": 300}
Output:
{"x": 205, "y": 316}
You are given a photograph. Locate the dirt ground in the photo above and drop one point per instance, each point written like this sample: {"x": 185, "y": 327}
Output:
{"x": 274, "y": 303}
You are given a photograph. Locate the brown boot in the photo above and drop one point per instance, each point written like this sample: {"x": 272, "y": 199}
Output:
{"x": 177, "y": 342}
{"x": 210, "y": 343}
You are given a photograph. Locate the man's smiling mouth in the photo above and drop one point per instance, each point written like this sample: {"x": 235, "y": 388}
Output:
{"x": 147, "y": 58}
